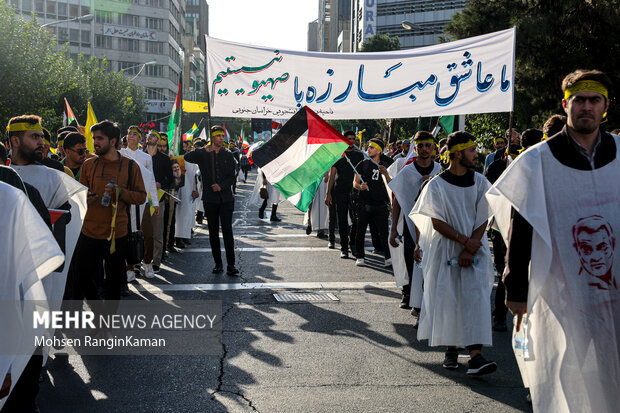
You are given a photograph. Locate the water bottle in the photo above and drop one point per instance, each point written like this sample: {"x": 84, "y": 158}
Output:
{"x": 106, "y": 197}
{"x": 520, "y": 341}
{"x": 454, "y": 261}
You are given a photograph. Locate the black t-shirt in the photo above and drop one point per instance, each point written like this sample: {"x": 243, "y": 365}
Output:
{"x": 424, "y": 171}
{"x": 463, "y": 181}
{"x": 344, "y": 180}
{"x": 377, "y": 193}
{"x": 52, "y": 163}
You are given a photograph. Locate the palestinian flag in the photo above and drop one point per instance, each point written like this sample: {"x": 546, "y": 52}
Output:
{"x": 174, "y": 125}
{"x": 298, "y": 156}
{"x": 189, "y": 135}
{"x": 68, "y": 118}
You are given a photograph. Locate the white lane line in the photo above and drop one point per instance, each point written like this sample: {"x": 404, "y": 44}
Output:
{"x": 260, "y": 249}
{"x": 257, "y": 236}
{"x": 329, "y": 285}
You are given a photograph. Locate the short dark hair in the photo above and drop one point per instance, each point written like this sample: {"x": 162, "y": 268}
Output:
{"x": 216, "y": 128}
{"x": 66, "y": 129}
{"x": 109, "y": 129}
{"x": 199, "y": 143}
{"x": 423, "y": 135}
{"x": 458, "y": 137}
{"x": 378, "y": 142}
{"x": 72, "y": 139}
{"x": 585, "y": 74}
{"x": 442, "y": 142}
{"x": 20, "y": 119}
{"x": 553, "y": 125}
{"x": 348, "y": 133}
{"x": 531, "y": 137}
{"x": 4, "y": 154}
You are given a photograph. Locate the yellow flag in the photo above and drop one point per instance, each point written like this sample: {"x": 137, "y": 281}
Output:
{"x": 195, "y": 107}
{"x": 91, "y": 119}
{"x": 160, "y": 194}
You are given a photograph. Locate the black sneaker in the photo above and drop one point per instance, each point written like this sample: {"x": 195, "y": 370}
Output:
{"x": 218, "y": 269}
{"x": 451, "y": 361}
{"x": 156, "y": 269}
{"x": 309, "y": 230}
{"x": 344, "y": 254}
{"x": 479, "y": 366}
{"x": 231, "y": 270}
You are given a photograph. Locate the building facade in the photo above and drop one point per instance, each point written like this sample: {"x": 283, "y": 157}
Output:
{"x": 143, "y": 38}
{"x": 427, "y": 18}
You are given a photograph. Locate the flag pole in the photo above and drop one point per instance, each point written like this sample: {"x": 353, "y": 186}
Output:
{"x": 207, "y": 90}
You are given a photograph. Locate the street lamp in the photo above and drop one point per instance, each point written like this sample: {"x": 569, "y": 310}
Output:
{"x": 407, "y": 25}
{"x": 152, "y": 62}
{"x": 82, "y": 19}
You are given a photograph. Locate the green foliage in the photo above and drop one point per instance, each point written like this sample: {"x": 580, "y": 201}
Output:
{"x": 553, "y": 39}
{"x": 380, "y": 43}
{"x": 36, "y": 77}
{"x": 487, "y": 126}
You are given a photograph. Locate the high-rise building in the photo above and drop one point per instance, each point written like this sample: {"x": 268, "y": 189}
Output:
{"x": 198, "y": 10}
{"x": 334, "y": 19}
{"x": 424, "y": 20}
{"x": 144, "y": 38}
{"x": 313, "y": 36}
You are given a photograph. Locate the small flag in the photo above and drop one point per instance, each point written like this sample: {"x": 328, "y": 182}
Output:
{"x": 68, "y": 117}
{"x": 189, "y": 135}
{"x": 174, "y": 125}
{"x": 91, "y": 119}
{"x": 226, "y": 131}
{"x": 299, "y": 155}
{"x": 447, "y": 123}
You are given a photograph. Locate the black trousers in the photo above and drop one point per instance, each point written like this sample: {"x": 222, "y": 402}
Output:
{"x": 409, "y": 246}
{"x": 378, "y": 214}
{"x": 216, "y": 214}
{"x": 91, "y": 254}
{"x": 499, "y": 258}
{"x": 344, "y": 210}
{"x": 332, "y": 222}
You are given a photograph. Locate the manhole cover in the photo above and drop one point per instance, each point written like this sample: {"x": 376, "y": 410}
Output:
{"x": 303, "y": 297}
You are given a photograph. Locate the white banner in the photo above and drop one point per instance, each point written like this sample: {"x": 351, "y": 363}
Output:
{"x": 474, "y": 75}
{"x": 129, "y": 32}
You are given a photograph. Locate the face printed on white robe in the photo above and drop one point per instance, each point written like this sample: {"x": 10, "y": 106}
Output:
{"x": 594, "y": 241}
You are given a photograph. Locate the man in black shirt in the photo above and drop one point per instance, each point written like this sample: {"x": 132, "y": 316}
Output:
{"x": 339, "y": 190}
{"x": 217, "y": 168}
{"x": 74, "y": 144}
{"x": 373, "y": 200}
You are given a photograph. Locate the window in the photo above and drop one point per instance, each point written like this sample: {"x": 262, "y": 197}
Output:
{"x": 74, "y": 37}
{"x": 26, "y": 6}
{"x": 154, "y": 70}
{"x": 62, "y": 10}
{"x": 153, "y": 23}
{"x": 85, "y": 34}
{"x": 102, "y": 16}
{"x": 155, "y": 47}
{"x": 74, "y": 10}
{"x": 51, "y": 9}
{"x": 154, "y": 3}
{"x": 155, "y": 94}
{"x": 39, "y": 7}
{"x": 63, "y": 35}
{"x": 130, "y": 45}
{"x": 129, "y": 68}
{"x": 104, "y": 42}
{"x": 128, "y": 20}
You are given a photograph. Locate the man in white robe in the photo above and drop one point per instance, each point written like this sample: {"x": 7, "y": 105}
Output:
{"x": 458, "y": 278}
{"x": 557, "y": 208}
{"x": 186, "y": 208}
{"x": 274, "y": 197}
{"x": 406, "y": 186}
{"x": 316, "y": 218}
{"x": 30, "y": 254}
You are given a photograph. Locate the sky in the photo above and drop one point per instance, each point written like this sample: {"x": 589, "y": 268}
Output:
{"x": 281, "y": 24}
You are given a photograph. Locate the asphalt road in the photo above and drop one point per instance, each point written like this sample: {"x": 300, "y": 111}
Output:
{"x": 359, "y": 353}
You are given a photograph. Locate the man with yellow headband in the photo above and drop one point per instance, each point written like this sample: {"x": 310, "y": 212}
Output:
{"x": 557, "y": 208}
{"x": 373, "y": 200}
{"x": 451, "y": 214}
{"x": 406, "y": 186}
{"x": 499, "y": 143}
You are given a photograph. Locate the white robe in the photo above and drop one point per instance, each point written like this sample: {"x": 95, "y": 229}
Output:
{"x": 274, "y": 194}
{"x": 405, "y": 186}
{"x": 456, "y": 306}
{"x": 573, "y": 317}
{"x": 318, "y": 214}
{"x": 186, "y": 209}
{"x": 30, "y": 253}
{"x": 145, "y": 163}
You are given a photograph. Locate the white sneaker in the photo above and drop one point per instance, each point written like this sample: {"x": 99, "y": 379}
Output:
{"x": 387, "y": 263}
{"x": 359, "y": 262}
{"x": 148, "y": 271}
{"x": 131, "y": 276}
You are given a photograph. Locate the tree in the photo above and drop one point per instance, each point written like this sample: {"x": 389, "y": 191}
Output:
{"x": 380, "y": 43}
{"x": 36, "y": 77}
{"x": 553, "y": 39}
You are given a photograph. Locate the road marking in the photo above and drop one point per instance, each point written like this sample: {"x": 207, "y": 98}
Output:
{"x": 329, "y": 285}
{"x": 256, "y": 236}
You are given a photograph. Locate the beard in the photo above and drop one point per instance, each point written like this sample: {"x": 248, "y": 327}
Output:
{"x": 102, "y": 151}
{"x": 467, "y": 164}
{"x": 30, "y": 156}
{"x": 585, "y": 125}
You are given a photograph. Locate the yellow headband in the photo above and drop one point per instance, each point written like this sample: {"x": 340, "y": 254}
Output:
{"x": 500, "y": 138}
{"x": 217, "y": 133}
{"x": 154, "y": 132}
{"x": 445, "y": 157}
{"x": 137, "y": 130}
{"x": 586, "y": 86}
{"x": 426, "y": 140}
{"x": 376, "y": 146}
{"x": 24, "y": 126}
{"x": 46, "y": 141}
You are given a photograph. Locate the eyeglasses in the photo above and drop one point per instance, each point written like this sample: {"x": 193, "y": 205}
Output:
{"x": 78, "y": 151}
